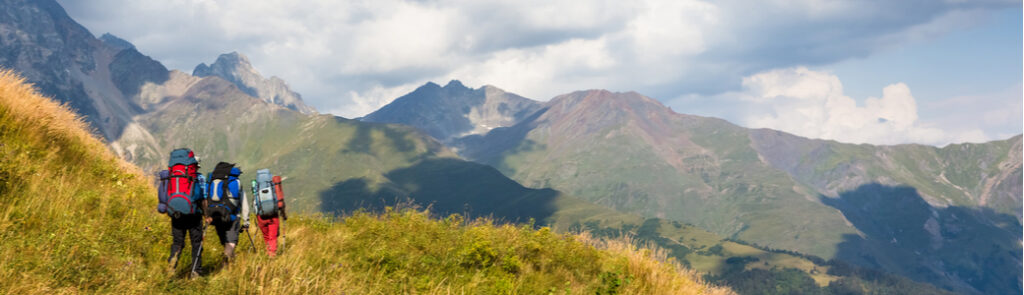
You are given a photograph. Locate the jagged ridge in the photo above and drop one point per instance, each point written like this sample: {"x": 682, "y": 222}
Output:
{"x": 454, "y": 111}
{"x": 237, "y": 69}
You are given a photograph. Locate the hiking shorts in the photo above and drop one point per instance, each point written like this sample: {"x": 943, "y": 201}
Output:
{"x": 227, "y": 231}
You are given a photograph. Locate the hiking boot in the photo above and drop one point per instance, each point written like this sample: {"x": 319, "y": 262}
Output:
{"x": 173, "y": 263}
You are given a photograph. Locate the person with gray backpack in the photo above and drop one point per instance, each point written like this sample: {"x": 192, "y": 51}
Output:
{"x": 268, "y": 201}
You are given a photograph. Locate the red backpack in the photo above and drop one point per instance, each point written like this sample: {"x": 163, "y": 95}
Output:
{"x": 182, "y": 169}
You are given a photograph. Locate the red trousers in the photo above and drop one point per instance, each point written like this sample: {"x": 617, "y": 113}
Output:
{"x": 269, "y": 228}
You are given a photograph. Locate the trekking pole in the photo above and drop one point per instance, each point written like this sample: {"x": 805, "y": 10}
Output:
{"x": 284, "y": 217}
{"x": 200, "y": 252}
{"x": 255, "y": 197}
{"x": 251, "y": 243}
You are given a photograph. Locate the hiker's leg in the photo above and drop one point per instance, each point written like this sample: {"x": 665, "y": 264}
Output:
{"x": 272, "y": 233}
{"x": 222, "y": 231}
{"x": 264, "y": 225}
{"x": 229, "y": 238}
{"x": 229, "y": 251}
{"x": 195, "y": 232}
{"x": 177, "y": 243}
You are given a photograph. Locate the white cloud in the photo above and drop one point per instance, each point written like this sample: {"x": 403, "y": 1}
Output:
{"x": 1000, "y": 113}
{"x": 546, "y": 67}
{"x": 668, "y": 29}
{"x": 409, "y": 36}
{"x": 812, "y": 104}
{"x": 344, "y": 56}
{"x": 368, "y": 101}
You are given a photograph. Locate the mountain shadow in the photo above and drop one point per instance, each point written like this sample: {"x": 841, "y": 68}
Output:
{"x": 968, "y": 250}
{"x": 447, "y": 186}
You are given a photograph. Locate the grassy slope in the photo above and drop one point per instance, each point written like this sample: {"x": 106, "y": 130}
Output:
{"x": 441, "y": 184}
{"x": 722, "y": 185}
{"x": 777, "y": 191}
{"x": 54, "y": 244}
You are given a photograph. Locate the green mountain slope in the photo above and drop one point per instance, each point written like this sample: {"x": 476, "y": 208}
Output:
{"x": 628, "y": 152}
{"x": 631, "y": 153}
{"x": 75, "y": 219}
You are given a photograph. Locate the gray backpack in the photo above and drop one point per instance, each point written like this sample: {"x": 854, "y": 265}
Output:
{"x": 265, "y": 199}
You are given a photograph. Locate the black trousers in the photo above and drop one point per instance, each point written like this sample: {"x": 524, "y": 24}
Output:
{"x": 193, "y": 226}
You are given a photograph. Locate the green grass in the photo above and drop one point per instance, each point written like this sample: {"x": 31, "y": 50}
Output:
{"x": 76, "y": 219}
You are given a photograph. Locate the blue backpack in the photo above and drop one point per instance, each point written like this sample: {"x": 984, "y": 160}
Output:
{"x": 224, "y": 192}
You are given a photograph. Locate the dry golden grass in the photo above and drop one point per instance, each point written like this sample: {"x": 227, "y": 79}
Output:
{"x": 657, "y": 273}
{"x": 52, "y": 169}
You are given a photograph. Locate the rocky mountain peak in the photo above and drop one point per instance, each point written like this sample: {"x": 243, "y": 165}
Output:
{"x": 454, "y": 111}
{"x": 604, "y": 102}
{"x": 66, "y": 62}
{"x": 455, "y": 84}
{"x": 236, "y": 68}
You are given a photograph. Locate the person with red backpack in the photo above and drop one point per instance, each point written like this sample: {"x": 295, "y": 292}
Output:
{"x": 268, "y": 201}
{"x": 181, "y": 197}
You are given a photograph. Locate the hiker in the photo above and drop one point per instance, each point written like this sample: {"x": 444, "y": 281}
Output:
{"x": 268, "y": 199}
{"x": 181, "y": 197}
{"x": 227, "y": 209}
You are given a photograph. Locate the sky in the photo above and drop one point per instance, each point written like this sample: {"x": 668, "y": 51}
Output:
{"x": 869, "y": 71}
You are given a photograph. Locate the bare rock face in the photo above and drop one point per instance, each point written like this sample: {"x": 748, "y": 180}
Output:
{"x": 97, "y": 78}
{"x": 455, "y": 111}
{"x": 236, "y": 68}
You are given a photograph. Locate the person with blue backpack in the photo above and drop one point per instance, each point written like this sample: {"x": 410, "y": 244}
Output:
{"x": 181, "y": 197}
{"x": 226, "y": 206}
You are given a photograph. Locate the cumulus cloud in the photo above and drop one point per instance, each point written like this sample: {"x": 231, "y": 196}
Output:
{"x": 812, "y": 104}
{"x": 1000, "y": 113}
{"x": 350, "y": 57}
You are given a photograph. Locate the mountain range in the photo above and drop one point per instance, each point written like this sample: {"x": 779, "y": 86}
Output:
{"x": 824, "y": 198}
{"x": 611, "y": 163}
